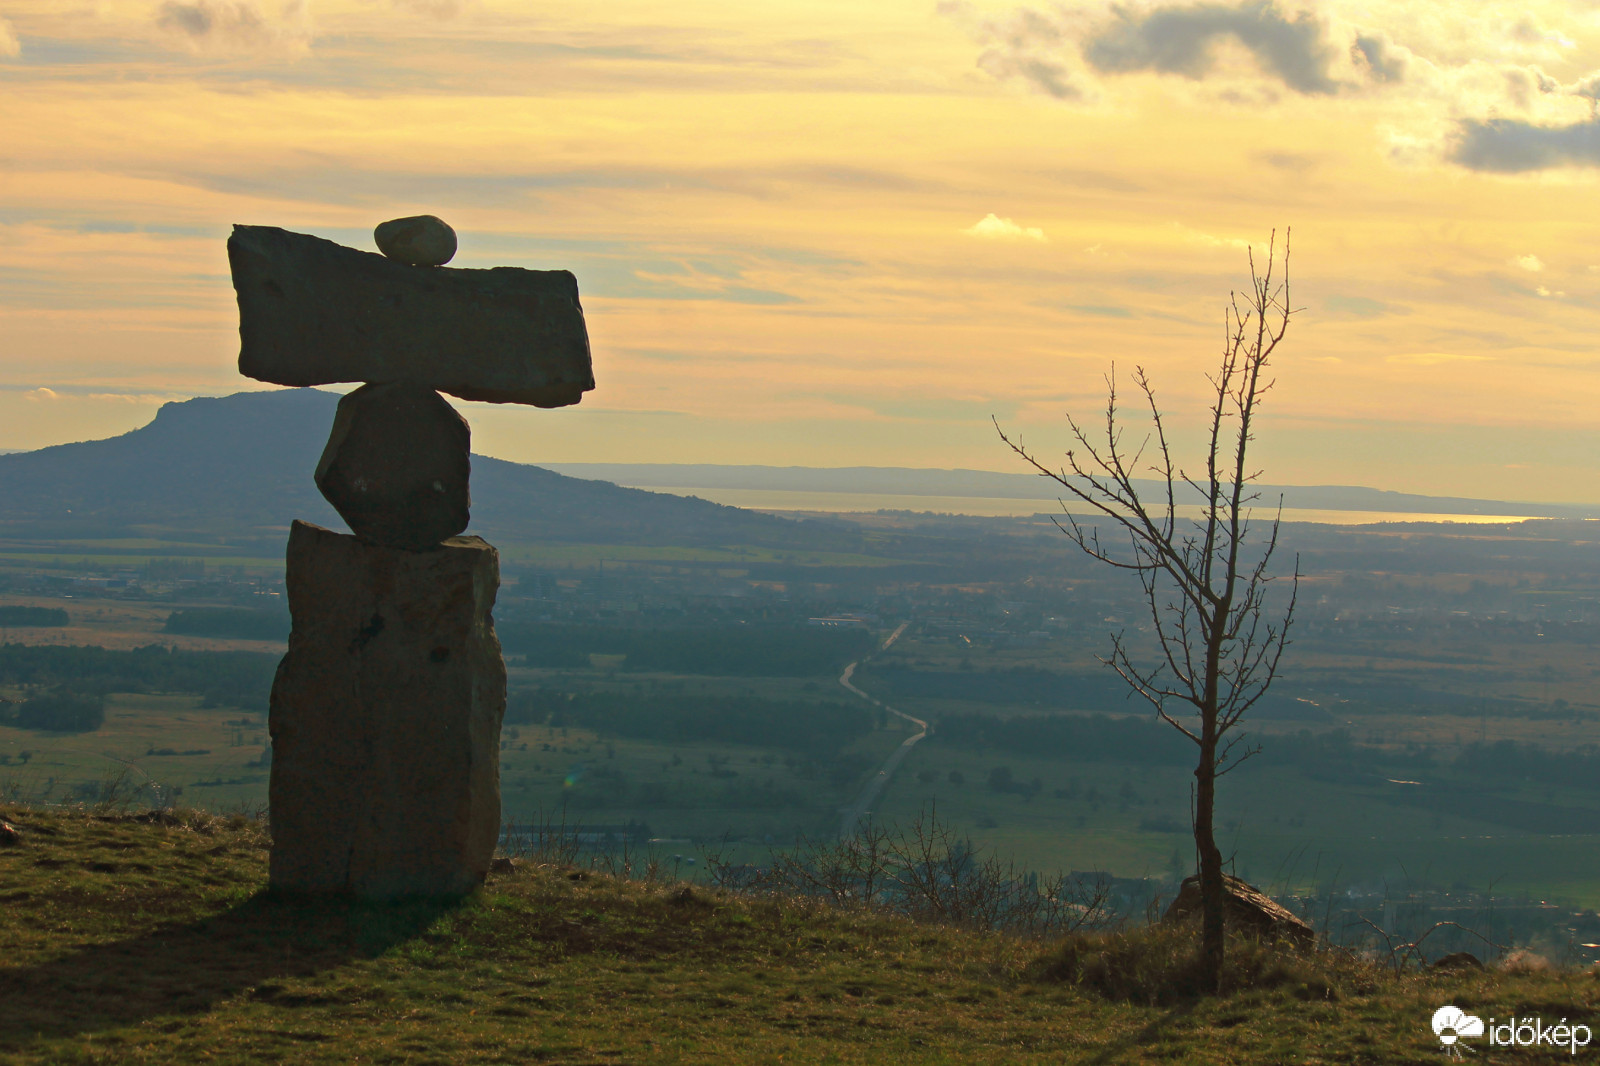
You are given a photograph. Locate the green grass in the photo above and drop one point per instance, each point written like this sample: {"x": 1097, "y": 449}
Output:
{"x": 136, "y": 939}
{"x": 212, "y": 750}
{"x": 1280, "y": 828}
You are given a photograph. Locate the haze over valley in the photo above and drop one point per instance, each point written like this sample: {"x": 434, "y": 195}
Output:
{"x": 675, "y": 666}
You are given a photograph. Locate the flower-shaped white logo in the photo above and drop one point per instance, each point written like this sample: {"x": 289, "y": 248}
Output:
{"x": 1450, "y": 1024}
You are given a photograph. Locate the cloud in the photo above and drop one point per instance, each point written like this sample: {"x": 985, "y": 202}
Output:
{"x": 1049, "y": 76}
{"x": 1457, "y": 86}
{"x": 1100, "y": 310}
{"x": 993, "y": 227}
{"x": 1359, "y": 307}
{"x": 1067, "y": 50}
{"x": 1026, "y": 45}
{"x": 1434, "y": 358}
{"x": 1531, "y": 263}
{"x": 235, "y": 25}
{"x": 1384, "y": 60}
{"x": 439, "y": 9}
{"x": 1527, "y": 31}
{"x": 42, "y": 395}
{"x": 1515, "y": 146}
{"x": 1181, "y": 40}
{"x": 1201, "y": 237}
{"x": 10, "y": 47}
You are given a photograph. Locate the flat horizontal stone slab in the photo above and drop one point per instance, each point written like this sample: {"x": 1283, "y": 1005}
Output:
{"x": 385, "y": 719}
{"x": 312, "y": 312}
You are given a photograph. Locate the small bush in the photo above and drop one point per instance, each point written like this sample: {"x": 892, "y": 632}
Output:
{"x": 1159, "y": 965}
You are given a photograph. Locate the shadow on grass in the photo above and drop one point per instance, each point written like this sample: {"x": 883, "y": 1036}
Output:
{"x": 187, "y": 969}
{"x": 1120, "y": 1049}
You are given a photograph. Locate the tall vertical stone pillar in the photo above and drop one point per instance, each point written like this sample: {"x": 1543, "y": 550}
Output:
{"x": 386, "y": 718}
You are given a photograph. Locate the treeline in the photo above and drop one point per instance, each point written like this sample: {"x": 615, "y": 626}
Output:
{"x": 1144, "y": 740}
{"x": 737, "y": 651}
{"x": 1327, "y": 756}
{"x": 816, "y": 730}
{"x": 59, "y": 712}
{"x": 1097, "y": 690}
{"x": 235, "y": 623}
{"x": 224, "y": 678}
{"x": 32, "y": 616}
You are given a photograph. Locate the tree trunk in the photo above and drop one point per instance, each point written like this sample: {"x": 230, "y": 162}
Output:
{"x": 1212, "y": 896}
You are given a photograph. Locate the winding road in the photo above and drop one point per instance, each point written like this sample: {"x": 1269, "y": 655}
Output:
{"x": 874, "y": 787}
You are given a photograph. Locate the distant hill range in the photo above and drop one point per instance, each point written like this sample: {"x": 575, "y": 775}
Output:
{"x": 989, "y": 484}
{"x": 243, "y": 464}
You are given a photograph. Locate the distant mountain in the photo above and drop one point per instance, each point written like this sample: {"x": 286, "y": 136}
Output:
{"x": 243, "y": 464}
{"x": 913, "y": 481}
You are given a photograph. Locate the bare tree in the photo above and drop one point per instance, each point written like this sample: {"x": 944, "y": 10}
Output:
{"x": 1204, "y": 578}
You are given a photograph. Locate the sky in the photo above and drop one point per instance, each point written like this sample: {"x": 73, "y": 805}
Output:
{"x": 834, "y": 234}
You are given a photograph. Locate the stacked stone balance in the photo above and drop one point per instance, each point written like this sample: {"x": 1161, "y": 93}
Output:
{"x": 385, "y": 713}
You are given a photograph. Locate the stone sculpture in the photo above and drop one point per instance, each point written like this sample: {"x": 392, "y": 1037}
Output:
{"x": 385, "y": 712}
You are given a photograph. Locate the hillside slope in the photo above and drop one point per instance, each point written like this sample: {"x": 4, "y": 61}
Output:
{"x": 149, "y": 939}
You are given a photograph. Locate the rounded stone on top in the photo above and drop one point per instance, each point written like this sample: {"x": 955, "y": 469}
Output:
{"x": 421, "y": 240}
{"x": 397, "y": 464}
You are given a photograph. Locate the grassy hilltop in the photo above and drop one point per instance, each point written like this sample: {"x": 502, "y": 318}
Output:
{"x": 150, "y": 938}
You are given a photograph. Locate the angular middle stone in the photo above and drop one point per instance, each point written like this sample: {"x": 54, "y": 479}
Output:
{"x": 397, "y": 464}
{"x": 312, "y": 312}
{"x": 385, "y": 719}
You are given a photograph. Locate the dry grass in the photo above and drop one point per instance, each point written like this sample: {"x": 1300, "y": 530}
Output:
{"x": 150, "y": 938}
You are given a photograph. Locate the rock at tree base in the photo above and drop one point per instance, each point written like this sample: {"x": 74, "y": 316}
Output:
{"x": 397, "y": 466}
{"x": 313, "y": 312}
{"x": 1458, "y": 960}
{"x": 421, "y": 240}
{"x": 385, "y": 719}
{"x": 1247, "y": 911}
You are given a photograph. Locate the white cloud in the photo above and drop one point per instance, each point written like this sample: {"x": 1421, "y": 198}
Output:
{"x": 1210, "y": 239}
{"x": 10, "y": 47}
{"x": 42, "y": 395}
{"x": 993, "y": 227}
{"x": 128, "y": 397}
{"x": 1530, "y": 263}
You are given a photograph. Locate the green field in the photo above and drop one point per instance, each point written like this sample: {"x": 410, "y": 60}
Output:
{"x": 1280, "y": 829}
{"x": 212, "y": 758}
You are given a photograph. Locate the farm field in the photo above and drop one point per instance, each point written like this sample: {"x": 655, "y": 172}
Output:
{"x": 1279, "y": 829}
{"x": 214, "y": 758}
{"x": 121, "y": 624}
{"x": 1282, "y": 829}
{"x": 1280, "y": 826}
